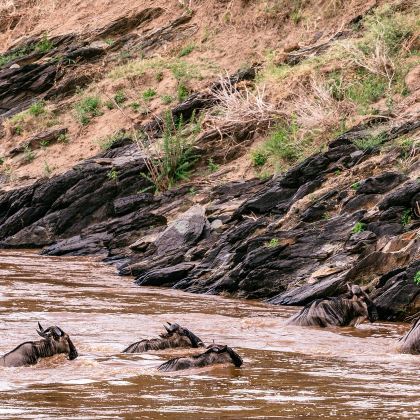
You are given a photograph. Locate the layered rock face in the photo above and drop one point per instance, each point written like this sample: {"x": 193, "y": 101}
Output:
{"x": 296, "y": 237}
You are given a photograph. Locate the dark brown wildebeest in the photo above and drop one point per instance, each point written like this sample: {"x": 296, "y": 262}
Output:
{"x": 215, "y": 354}
{"x": 55, "y": 341}
{"x": 351, "y": 309}
{"x": 175, "y": 336}
{"x": 410, "y": 342}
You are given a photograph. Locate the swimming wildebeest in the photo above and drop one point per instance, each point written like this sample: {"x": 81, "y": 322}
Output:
{"x": 410, "y": 342}
{"x": 351, "y": 309}
{"x": 215, "y": 354}
{"x": 54, "y": 341}
{"x": 175, "y": 336}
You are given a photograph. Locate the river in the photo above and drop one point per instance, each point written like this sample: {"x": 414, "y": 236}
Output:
{"x": 288, "y": 372}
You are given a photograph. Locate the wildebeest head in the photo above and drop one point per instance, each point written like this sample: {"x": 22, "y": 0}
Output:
{"x": 175, "y": 331}
{"x": 410, "y": 342}
{"x": 59, "y": 339}
{"x": 220, "y": 350}
{"x": 361, "y": 298}
{"x": 215, "y": 354}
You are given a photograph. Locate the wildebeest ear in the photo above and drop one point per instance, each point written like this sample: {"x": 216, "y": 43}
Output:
{"x": 195, "y": 341}
{"x": 236, "y": 359}
{"x": 57, "y": 332}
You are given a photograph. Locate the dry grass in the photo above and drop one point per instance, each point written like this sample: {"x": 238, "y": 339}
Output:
{"x": 378, "y": 61}
{"x": 315, "y": 107}
{"x": 242, "y": 107}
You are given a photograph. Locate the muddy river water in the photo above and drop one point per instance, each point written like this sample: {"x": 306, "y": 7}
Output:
{"x": 288, "y": 372}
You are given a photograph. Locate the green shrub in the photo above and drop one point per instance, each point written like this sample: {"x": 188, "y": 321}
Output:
{"x": 88, "y": 108}
{"x": 37, "y": 108}
{"x": 28, "y": 154}
{"x": 281, "y": 143}
{"x": 120, "y": 97}
{"x": 355, "y": 186}
{"x": 149, "y": 94}
{"x": 370, "y": 142}
{"x": 212, "y": 167}
{"x": 359, "y": 227}
{"x": 188, "y": 49}
{"x": 167, "y": 99}
{"x": 182, "y": 92}
{"x": 416, "y": 278}
{"x": 177, "y": 157}
{"x": 44, "y": 45}
{"x": 259, "y": 158}
{"x": 406, "y": 217}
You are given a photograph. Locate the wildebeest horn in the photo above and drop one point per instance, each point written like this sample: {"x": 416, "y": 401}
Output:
{"x": 41, "y": 331}
{"x": 167, "y": 328}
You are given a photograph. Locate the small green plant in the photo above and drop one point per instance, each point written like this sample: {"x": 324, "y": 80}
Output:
{"x": 370, "y": 142}
{"x": 359, "y": 227}
{"x": 337, "y": 172}
{"x": 159, "y": 76}
{"x": 182, "y": 92}
{"x": 109, "y": 42}
{"x": 44, "y": 144}
{"x": 355, "y": 186}
{"x": 107, "y": 142}
{"x": 135, "y": 106}
{"x": 258, "y": 158}
{"x": 112, "y": 174}
{"x": 63, "y": 138}
{"x": 406, "y": 217}
{"x": 47, "y": 168}
{"x": 120, "y": 97}
{"x": 192, "y": 191}
{"x": 149, "y": 94}
{"x": 110, "y": 104}
{"x": 18, "y": 130}
{"x": 1, "y": 160}
{"x": 416, "y": 278}
{"x": 326, "y": 216}
{"x": 212, "y": 167}
{"x": 87, "y": 108}
{"x": 282, "y": 143}
{"x": 37, "y": 108}
{"x": 167, "y": 99}
{"x": 272, "y": 243}
{"x": 44, "y": 45}
{"x": 188, "y": 49}
{"x": 264, "y": 175}
{"x": 28, "y": 154}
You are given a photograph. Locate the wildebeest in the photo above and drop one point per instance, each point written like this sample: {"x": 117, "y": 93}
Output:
{"x": 351, "y": 309}
{"x": 54, "y": 341}
{"x": 215, "y": 354}
{"x": 175, "y": 336}
{"x": 410, "y": 342}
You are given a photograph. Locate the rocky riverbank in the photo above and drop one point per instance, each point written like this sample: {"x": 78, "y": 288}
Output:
{"x": 289, "y": 239}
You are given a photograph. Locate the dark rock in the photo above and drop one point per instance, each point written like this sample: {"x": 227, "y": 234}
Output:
{"x": 167, "y": 276}
{"x": 381, "y": 183}
{"x": 401, "y": 196}
{"x": 183, "y": 232}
